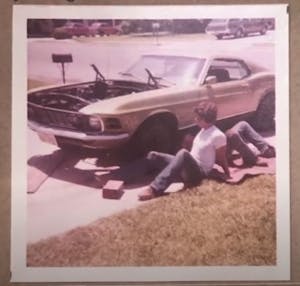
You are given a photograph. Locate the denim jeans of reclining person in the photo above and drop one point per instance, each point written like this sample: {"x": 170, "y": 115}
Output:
{"x": 182, "y": 166}
{"x": 238, "y": 137}
{"x": 167, "y": 169}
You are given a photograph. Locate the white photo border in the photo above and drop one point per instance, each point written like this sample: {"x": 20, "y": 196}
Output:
{"x": 22, "y": 273}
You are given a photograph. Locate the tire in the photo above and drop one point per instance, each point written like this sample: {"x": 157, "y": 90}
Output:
{"x": 155, "y": 135}
{"x": 219, "y": 37}
{"x": 239, "y": 33}
{"x": 264, "y": 118}
{"x": 263, "y": 31}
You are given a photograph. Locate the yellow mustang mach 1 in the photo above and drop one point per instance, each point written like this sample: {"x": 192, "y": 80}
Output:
{"x": 151, "y": 101}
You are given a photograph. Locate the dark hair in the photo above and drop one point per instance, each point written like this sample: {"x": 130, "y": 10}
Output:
{"x": 207, "y": 110}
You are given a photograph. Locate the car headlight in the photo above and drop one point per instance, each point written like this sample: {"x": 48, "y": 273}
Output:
{"x": 95, "y": 123}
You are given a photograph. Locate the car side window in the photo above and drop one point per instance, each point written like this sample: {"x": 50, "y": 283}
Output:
{"x": 228, "y": 70}
{"x": 234, "y": 21}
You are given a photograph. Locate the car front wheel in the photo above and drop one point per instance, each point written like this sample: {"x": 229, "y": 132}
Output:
{"x": 155, "y": 135}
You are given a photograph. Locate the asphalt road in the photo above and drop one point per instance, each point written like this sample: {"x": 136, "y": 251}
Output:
{"x": 116, "y": 53}
{"x": 64, "y": 192}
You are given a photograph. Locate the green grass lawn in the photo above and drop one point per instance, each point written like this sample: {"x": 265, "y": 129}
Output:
{"x": 213, "y": 224}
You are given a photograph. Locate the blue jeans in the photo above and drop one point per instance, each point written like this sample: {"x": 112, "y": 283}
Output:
{"x": 181, "y": 166}
{"x": 238, "y": 137}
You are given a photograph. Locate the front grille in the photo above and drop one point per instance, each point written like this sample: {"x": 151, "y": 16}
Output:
{"x": 62, "y": 119}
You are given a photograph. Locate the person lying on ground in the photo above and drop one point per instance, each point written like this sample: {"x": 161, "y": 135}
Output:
{"x": 238, "y": 138}
{"x": 209, "y": 146}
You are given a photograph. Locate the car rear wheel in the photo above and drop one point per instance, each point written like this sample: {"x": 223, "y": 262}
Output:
{"x": 155, "y": 135}
{"x": 265, "y": 113}
{"x": 263, "y": 31}
{"x": 219, "y": 37}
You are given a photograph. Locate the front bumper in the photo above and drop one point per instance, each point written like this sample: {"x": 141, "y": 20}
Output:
{"x": 59, "y": 136}
{"x": 224, "y": 32}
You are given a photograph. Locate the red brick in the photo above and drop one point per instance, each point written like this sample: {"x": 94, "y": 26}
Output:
{"x": 113, "y": 189}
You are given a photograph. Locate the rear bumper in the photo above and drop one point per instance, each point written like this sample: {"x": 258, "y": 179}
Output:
{"x": 98, "y": 141}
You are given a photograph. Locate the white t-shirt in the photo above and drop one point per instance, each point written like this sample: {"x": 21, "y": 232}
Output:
{"x": 204, "y": 147}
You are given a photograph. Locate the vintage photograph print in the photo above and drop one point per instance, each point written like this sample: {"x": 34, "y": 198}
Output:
{"x": 150, "y": 143}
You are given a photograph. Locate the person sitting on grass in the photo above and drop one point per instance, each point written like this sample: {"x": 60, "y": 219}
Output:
{"x": 238, "y": 138}
{"x": 208, "y": 146}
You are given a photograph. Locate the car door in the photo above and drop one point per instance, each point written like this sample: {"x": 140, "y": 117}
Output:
{"x": 105, "y": 29}
{"x": 246, "y": 26}
{"x": 77, "y": 29}
{"x": 231, "y": 91}
{"x": 256, "y": 25}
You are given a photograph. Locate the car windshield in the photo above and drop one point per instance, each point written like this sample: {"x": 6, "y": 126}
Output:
{"x": 167, "y": 70}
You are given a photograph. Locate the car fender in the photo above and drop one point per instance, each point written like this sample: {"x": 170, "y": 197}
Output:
{"x": 163, "y": 116}
{"x": 261, "y": 86}
{"x": 161, "y": 113}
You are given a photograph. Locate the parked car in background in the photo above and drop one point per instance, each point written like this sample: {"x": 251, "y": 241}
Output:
{"x": 151, "y": 101}
{"x": 94, "y": 28}
{"x": 236, "y": 27}
{"x": 270, "y": 23}
{"x": 99, "y": 28}
{"x": 71, "y": 29}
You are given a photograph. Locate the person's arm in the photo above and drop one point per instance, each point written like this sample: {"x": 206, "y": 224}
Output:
{"x": 221, "y": 159}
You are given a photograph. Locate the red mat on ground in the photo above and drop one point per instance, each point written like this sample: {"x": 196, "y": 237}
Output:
{"x": 240, "y": 173}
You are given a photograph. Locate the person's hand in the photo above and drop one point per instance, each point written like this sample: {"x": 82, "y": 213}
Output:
{"x": 225, "y": 177}
{"x": 220, "y": 175}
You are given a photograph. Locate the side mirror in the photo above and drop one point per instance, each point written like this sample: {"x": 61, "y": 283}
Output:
{"x": 211, "y": 79}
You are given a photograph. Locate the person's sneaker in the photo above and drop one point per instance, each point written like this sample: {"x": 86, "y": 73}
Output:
{"x": 269, "y": 152}
{"x": 146, "y": 194}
